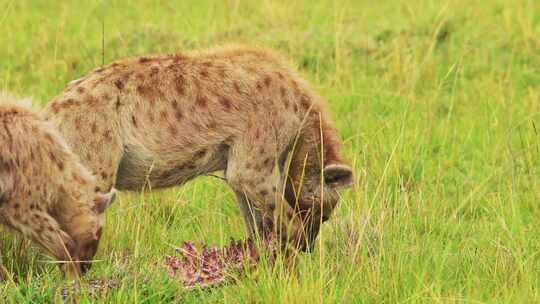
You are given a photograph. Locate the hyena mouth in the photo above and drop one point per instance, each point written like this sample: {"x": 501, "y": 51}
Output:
{"x": 85, "y": 266}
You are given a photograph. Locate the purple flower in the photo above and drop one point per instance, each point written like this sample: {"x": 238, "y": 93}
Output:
{"x": 211, "y": 266}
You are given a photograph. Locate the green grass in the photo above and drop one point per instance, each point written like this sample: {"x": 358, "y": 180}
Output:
{"x": 438, "y": 103}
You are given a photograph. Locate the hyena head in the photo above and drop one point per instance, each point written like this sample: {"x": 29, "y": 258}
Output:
{"x": 314, "y": 186}
{"x": 89, "y": 226}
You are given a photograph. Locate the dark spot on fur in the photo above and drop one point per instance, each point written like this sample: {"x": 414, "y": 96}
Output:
{"x": 108, "y": 136}
{"x": 263, "y": 192}
{"x": 204, "y": 73}
{"x": 52, "y": 157}
{"x": 226, "y": 103}
{"x": 103, "y": 175}
{"x": 178, "y": 114}
{"x": 144, "y": 60}
{"x": 143, "y": 90}
{"x": 16, "y": 205}
{"x": 117, "y": 104}
{"x": 150, "y": 115}
{"x": 163, "y": 115}
{"x": 267, "y": 162}
{"x": 134, "y": 121}
{"x": 55, "y": 107}
{"x": 94, "y": 128}
{"x": 91, "y": 100}
{"x": 267, "y": 81}
{"x": 261, "y": 150}
{"x": 69, "y": 102}
{"x": 80, "y": 90}
{"x": 200, "y": 154}
{"x": 202, "y": 101}
{"x": 119, "y": 84}
{"x": 174, "y": 103}
{"x": 280, "y": 75}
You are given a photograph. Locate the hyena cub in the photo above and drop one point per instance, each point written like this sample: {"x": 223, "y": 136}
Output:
{"x": 162, "y": 120}
{"x": 45, "y": 192}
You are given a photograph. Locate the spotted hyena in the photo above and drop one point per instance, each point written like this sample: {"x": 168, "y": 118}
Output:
{"x": 159, "y": 121}
{"x": 45, "y": 192}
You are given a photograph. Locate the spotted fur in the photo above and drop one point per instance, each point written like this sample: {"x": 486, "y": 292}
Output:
{"x": 45, "y": 192}
{"x": 159, "y": 121}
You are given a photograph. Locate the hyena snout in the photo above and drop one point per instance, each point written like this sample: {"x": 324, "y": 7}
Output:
{"x": 88, "y": 243}
{"x": 87, "y": 251}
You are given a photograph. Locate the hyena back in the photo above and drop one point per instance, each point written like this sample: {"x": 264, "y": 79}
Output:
{"x": 45, "y": 192}
{"x": 160, "y": 121}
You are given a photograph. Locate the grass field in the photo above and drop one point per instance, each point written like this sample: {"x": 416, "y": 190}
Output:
{"x": 438, "y": 105}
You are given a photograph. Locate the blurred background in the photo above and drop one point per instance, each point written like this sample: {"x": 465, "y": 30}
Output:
{"x": 438, "y": 106}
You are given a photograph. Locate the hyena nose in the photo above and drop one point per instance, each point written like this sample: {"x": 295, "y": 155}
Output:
{"x": 85, "y": 266}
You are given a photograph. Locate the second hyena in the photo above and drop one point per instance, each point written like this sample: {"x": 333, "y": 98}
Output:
{"x": 162, "y": 120}
{"x": 45, "y": 192}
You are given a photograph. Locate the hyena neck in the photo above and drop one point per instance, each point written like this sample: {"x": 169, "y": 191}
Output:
{"x": 317, "y": 146}
{"x": 74, "y": 215}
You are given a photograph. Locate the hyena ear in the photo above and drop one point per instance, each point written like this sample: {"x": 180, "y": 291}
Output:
{"x": 102, "y": 201}
{"x": 338, "y": 176}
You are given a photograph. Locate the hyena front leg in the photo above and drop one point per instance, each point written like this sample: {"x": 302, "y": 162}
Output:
{"x": 258, "y": 186}
{"x": 252, "y": 216}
